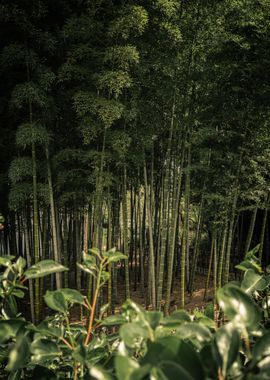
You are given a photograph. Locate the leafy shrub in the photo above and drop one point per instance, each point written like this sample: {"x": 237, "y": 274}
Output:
{"x": 136, "y": 344}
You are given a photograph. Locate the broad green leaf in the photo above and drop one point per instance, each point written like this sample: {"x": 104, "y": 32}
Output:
{"x": 173, "y": 371}
{"x": 103, "y": 309}
{"x": 116, "y": 256}
{"x": 46, "y": 328}
{"x": 173, "y": 349}
{"x": 104, "y": 277}
{"x": 9, "y": 329}
{"x": 239, "y": 307}
{"x": 72, "y": 295}
{"x": 17, "y": 293}
{"x": 89, "y": 260}
{"x": 114, "y": 320}
{"x": 124, "y": 367}
{"x": 253, "y": 281}
{"x": 99, "y": 373}
{"x": 251, "y": 261}
{"x": 133, "y": 332}
{"x": 20, "y": 265}
{"x": 261, "y": 348}
{"x": 209, "y": 311}
{"x": 43, "y": 268}
{"x": 197, "y": 333}
{"x": 209, "y": 360}
{"x": 86, "y": 268}
{"x": 141, "y": 372}
{"x": 176, "y": 318}
{"x": 96, "y": 355}
{"x": 227, "y": 344}
{"x": 6, "y": 260}
{"x": 80, "y": 353}
{"x": 10, "y": 309}
{"x": 20, "y": 353}
{"x": 205, "y": 321}
{"x": 94, "y": 251}
{"x": 153, "y": 318}
{"x": 44, "y": 350}
{"x": 56, "y": 301}
{"x": 164, "y": 331}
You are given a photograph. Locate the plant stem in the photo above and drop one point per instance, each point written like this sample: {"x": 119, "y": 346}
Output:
{"x": 92, "y": 314}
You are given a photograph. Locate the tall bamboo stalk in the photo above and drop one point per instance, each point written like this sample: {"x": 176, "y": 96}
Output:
{"x": 222, "y": 254}
{"x": 230, "y": 236}
{"x": 57, "y": 256}
{"x": 35, "y": 200}
{"x": 125, "y": 232}
{"x": 264, "y": 222}
{"x": 251, "y": 229}
{"x": 209, "y": 269}
{"x": 151, "y": 243}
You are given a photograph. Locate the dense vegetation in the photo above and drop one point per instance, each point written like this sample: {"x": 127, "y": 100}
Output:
{"x": 146, "y": 345}
{"x": 141, "y": 125}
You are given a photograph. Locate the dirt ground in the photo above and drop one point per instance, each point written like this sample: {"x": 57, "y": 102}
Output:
{"x": 195, "y": 302}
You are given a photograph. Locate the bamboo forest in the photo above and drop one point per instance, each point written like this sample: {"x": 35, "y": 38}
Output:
{"x": 135, "y": 189}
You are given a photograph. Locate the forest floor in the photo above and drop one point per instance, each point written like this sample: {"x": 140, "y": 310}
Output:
{"x": 197, "y": 300}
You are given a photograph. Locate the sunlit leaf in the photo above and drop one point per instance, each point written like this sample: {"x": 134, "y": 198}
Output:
{"x": 227, "y": 343}
{"x": 43, "y": 268}
{"x": 239, "y": 307}
{"x": 56, "y": 301}
{"x": 44, "y": 350}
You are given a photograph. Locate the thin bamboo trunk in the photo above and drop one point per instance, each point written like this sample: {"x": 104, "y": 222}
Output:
{"x": 173, "y": 235}
{"x": 262, "y": 234}
{"x": 152, "y": 279}
{"x": 251, "y": 229}
{"x": 209, "y": 270}
{"x": 222, "y": 255}
{"x": 196, "y": 249}
{"x": 165, "y": 213}
{"x": 29, "y": 262}
{"x": 56, "y": 252}
{"x": 230, "y": 237}
{"x": 215, "y": 269}
{"x": 141, "y": 252}
{"x": 125, "y": 233}
{"x": 65, "y": 245}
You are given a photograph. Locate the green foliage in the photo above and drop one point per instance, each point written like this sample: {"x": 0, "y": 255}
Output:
{"x": 147, "y": 345}
{"x": 113, "y": 82}
{"x": 107, "y": 111}
{"x": 122, "y": 56}
{"x": 32, "y": 133}
{"x": 43, "y": 268}
{"x": 133, "y": 20}
{"x": 28, "y": 92}
{"x": 20, "y": 169}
